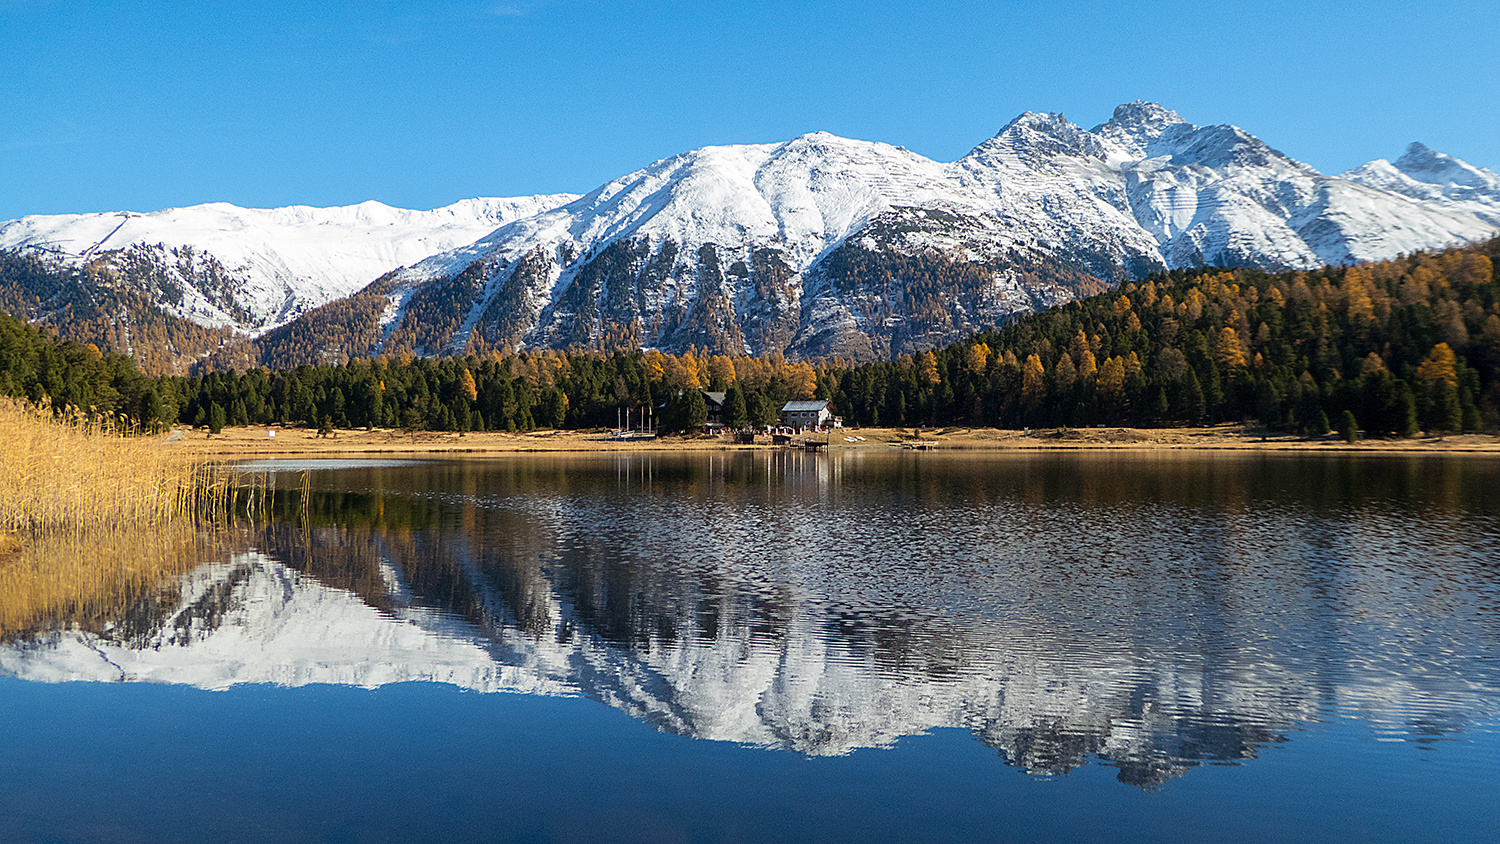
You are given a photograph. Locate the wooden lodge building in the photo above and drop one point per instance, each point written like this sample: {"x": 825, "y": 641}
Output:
{"x": 795, "y": 415}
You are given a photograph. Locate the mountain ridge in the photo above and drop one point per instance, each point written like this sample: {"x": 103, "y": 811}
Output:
{"x": 280, "y": 261}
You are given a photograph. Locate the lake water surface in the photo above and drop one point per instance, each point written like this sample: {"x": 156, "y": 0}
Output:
{"x": 765, "y": 646}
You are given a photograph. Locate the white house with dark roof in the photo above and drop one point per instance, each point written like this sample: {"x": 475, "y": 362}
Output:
{"x": 808, "y": 414}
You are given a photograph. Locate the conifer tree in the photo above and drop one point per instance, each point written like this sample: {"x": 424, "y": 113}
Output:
{"x": 736, "y": 414}
{"x": 466, "y": 386}
{"x": 1348, "y": 427}
{"x": 554, "y": 408}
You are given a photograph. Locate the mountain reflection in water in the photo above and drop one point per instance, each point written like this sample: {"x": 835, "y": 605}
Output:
{"x": 1153, "y": 613}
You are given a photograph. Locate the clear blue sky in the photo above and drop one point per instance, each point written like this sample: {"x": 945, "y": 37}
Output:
{"x": 143, "y": 105}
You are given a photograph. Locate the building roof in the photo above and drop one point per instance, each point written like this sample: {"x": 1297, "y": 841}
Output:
{"x": 714, "y": 398}
{"x": 804, "y": 406}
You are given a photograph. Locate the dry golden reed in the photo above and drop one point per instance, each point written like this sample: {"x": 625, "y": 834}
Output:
{"x": 72, "y": 475}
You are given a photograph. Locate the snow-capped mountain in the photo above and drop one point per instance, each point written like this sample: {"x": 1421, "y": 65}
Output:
{"x": 254, "y": 268}
{"x": 1216, "y": 195}
{"x": 824, "y": 245}
{"x": 817, "y": 246}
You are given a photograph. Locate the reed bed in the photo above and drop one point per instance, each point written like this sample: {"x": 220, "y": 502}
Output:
{"x": 71, "y": 474}
{"x": 92, "y": 518}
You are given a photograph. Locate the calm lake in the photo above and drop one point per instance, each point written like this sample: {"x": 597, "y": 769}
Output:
{"x": 782, "y": 646}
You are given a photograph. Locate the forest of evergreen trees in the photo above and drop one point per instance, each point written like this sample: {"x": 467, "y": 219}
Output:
{"x": 1385, "y": 349}
{"x": 1400, "y": 346}
{"x": 39, "y": 368}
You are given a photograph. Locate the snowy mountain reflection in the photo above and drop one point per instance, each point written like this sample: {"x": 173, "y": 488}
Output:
{"x": 1150, "y": 613}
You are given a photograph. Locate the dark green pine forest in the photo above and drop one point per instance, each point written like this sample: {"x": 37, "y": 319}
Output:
{"x": 1389, "y": 349}
{"x": 38, "y": 368}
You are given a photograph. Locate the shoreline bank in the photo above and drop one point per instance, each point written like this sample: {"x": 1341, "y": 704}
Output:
{"x": 258, "y": 442}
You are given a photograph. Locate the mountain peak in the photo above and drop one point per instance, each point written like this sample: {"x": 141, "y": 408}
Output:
{"x": 1419, "y": 150}
{"x": 1144, "y": 113}
{"x": 1425, "y": 164}
{"x": 1137, "y": 123}
{"x": 820, "y": 141}
{"x": 1039, "y": 121}
{"x": 1037, "y": 136}
{"x": 1426, "y": 175}
{"x": 1420, "y": 158}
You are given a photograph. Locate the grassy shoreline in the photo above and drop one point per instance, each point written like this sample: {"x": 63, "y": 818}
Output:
{"x": 254, "y": 442}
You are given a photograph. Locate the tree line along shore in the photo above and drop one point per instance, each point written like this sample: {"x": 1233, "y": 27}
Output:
{"x": 1383, "y": 350}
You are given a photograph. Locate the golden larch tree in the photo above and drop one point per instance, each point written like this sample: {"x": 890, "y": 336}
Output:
{"x": 1033, "y": 377}
{"x": 802, "y": 379}
{"x": 1439, "y": 365}
{"x": 720, "y": 370}
{"x": 1088, "y": 367}
{"x": 1228, "y": 350}
{"x": 927, "y": 372}
{"x": 1359, "y": 282}
{"x": 977, "y": 358}
{"x": 1112, "y": 378}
